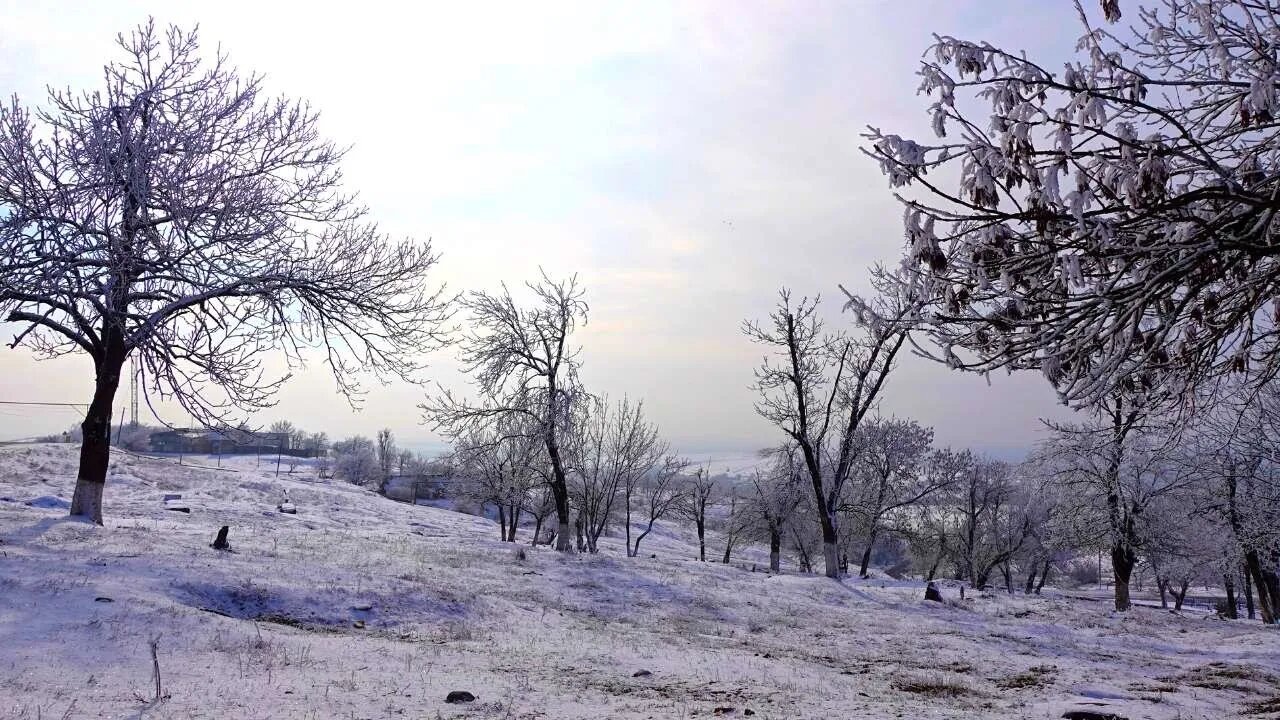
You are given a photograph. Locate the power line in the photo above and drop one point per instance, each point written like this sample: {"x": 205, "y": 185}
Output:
{"x": 54, "y": 404}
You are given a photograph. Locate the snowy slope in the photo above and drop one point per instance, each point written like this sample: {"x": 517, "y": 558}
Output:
{"x": 278, "y": 629}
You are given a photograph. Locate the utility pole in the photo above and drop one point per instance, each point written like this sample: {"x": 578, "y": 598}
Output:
{"x": 135, "y": 371}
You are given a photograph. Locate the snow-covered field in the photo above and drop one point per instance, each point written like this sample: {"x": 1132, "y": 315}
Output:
{"x": 278, "y": 629}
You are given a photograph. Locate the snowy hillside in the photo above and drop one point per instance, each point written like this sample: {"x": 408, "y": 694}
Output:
{"x": 359, "y": 607}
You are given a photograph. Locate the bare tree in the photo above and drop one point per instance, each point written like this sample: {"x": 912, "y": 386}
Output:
{"x": 890, "y": 474}
{"x": 1115, "y": 467}
{"x": 818, "y": 388}
{"x": 356, "y": 461}
{"x": 496, "y": 465}
{"x": 1111, "y": 225}
{"x": 701, "y": 494}
{"x": 179, "y": 216}
{"x": 613, "y": 448}
{"x": 522, "y": 365}
{"x": 779, "y": 494}
{"x": 387, "y": 452}
{"x": 656, "y": 495}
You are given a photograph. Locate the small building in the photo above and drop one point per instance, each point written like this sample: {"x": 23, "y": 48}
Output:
{"x": 412, "y": 487}
{"x": 228, "y": 441}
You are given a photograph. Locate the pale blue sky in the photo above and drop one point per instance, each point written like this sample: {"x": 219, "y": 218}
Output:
{"x": 686, "y": 159}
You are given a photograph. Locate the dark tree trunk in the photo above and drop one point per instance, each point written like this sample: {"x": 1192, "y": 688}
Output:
{"x": 866, "y": 553}
{"x": 1248, "y": 594}
{"x": 1180, "y": 595}
{"x": 1123, "y": 559}
{"x": 1044, "y": 576}
{"x": 701, "y": 522}
{"x": 559, "y": 489}
{"x": 1007, "y": 573}
{"x": 1163, "y": 584}
{"x": 1265, "y": 608}
{"x": 630, "y": 552}
{"x": 537, "y": 530}
{"x": 775, "y": 549}
{"x": 1229, "y": 583}
{"x": 1031, "y": 581}
{"x": 728, "y": 549}
{"x": 502, "y": 520}
{"x": 95, "y": 448}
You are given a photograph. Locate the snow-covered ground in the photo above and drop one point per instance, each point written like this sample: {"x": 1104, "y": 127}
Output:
{"x": 278, "y": 628}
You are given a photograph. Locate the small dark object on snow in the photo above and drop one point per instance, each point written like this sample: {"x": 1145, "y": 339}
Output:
{"x": 103, "y": 598}
{"x": 961, "y": 592}
{"x": 459, "y": 696}
{"x": 748, "y": 712}
{"x": 287, "y": 508}
{"x": 220, "y": 542}
{"x": 641, "y": 673}
{"x": 172, "y": 496}
{"x": 176, "y": 508}
{"x": 359, "y": 624}
{"x": 1091, "y": 715}
{"x": 726, "y": 710}
{"x": 931, "y": 592}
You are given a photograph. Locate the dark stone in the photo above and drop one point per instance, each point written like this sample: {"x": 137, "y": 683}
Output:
{"x": 287, "y": 508}
{"x": 103, "y": 599}
{"x": 1091, "y": 715}
{"x": 931, "y": 592}
{"x": 748, "y": 712}
{"x": 172, "y": 496}
{"x": 726, "y": 710}
{"x": 180, "y": 509}
{"x": 220, "y": 542}
{"x": 641, "y": 673}
{"x": 459, "y": 696}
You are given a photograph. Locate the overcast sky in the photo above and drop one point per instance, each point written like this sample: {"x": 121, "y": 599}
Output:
{"x": 685, "y": 159}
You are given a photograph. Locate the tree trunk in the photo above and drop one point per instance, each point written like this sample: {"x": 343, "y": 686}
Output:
{"x": 1229, "y": 583}
{"x": 627, "y": 522}
{"x": 1265, "y": 608}
{"x": 702, "y": 537}
{"x": 95, "y": 447}
{"x": 502, "y": 520}
{"x": 559, "y": 490}
{"x": 1180, "y": 595}
{"x": 1031, "y": 581}
{"x": 1044, "y": 576}
{"x": 537, "y": 530}
{"x": 775, "y": 549}
{"x": 1007, "y": 573}
{"x": 1163, "y": 584}
{"x": 728, "y": 548}
{"x": 1248, "y": 594}
{"x": 1123, "y": 559}
{"x": 866, "y": 553}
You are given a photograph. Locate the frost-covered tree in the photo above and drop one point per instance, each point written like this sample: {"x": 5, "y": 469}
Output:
{"x": 658, "y": 494}
{"x": 523, "y": 366}
{"x": 180, "y": 216}
{"x": 890, "y": 475}
{"x": 495, "y": 465}
{"x": 778, "y": 496}
{"x": 612, "y": 447}
{"x": 1115, "y": 468}
{"x": 1112, "y": 224}
{"x": 1234, "y": 447}
{"x": 818, "y": 388}
{"x": 388, "y": 453}
{"x": 355, "y": 460}
{"x": 700, "y": 495}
